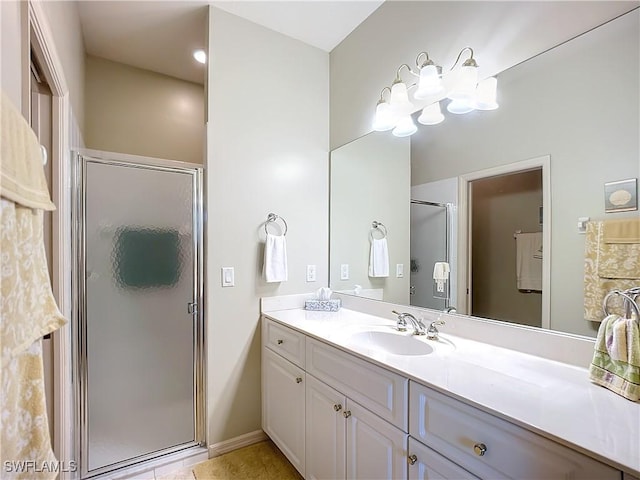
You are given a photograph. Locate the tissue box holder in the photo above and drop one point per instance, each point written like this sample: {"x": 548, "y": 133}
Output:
{"x": 323, "y": 305}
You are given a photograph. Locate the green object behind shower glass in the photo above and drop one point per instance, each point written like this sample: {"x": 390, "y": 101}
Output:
{"x": 147, "y": 258}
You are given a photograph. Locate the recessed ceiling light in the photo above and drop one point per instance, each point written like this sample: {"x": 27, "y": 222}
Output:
{"x": 200, "y": 56}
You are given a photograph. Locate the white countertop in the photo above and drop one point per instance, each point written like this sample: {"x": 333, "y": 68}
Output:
{"x": 553, "y": 399}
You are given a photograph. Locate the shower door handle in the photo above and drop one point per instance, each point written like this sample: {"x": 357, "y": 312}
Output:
{"x": 192, "y": 308}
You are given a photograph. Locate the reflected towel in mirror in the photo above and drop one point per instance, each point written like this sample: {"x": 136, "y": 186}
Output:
{"x": 379, "y": 258}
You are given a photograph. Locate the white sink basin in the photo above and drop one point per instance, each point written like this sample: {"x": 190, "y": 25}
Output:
{"x": 394, "y": 343}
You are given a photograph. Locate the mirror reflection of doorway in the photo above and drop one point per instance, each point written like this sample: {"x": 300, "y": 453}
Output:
{"x": 505, "y": 235}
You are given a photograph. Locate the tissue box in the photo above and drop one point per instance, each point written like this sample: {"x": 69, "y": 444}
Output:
{"x": 323, "y": 305}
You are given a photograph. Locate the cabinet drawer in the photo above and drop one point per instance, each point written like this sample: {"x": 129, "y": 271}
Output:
{"x": 425, "y": 464}
{"x": 460, "y": 433}
{"x": 382, "y": 392}
{"x": 284, "y": 341}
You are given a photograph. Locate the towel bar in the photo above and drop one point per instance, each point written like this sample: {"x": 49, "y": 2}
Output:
{"x": 272, "y": 217}
{"x": 375, "y": 225}
{"x": 629, "y": 297}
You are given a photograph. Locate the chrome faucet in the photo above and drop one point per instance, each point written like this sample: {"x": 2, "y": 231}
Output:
{"x": 432, "y": 331}
{"x": 418, "y": 326}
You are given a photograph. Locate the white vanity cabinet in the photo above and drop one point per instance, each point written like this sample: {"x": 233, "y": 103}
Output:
{"x": 344, "y": 438}
{"x": 490, "y": 447}
{"x": 338, "y": 437}
{"x": 283, "y": 406}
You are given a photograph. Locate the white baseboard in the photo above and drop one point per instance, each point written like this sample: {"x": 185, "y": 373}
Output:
{"x": 245, "y": 440}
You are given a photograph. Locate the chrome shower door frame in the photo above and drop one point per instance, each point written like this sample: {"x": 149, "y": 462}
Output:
{"x": 80, "y": 159}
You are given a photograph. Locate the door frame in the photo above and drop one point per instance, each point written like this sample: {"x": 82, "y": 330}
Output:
{"x": 464, "y": 229}
{"x": 37, "y": 35}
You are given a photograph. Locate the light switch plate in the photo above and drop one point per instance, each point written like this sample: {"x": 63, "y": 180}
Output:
{"x": 344, "y": 271}
{"x": 228, "y": 277}
{"x": 399, "y": 270}
{"x": 311, "y": 273}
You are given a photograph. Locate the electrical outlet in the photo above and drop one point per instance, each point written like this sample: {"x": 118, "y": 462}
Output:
{"x": 311, "y": 273}
{"x": 344, "y": 271}
{"x": 399, "y": 270}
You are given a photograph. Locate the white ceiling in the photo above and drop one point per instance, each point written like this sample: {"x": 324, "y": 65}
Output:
{"x": 161, "y": 35}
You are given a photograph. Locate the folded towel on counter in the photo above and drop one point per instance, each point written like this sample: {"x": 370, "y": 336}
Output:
{"x": 529, "y": 261}
{"x": 616, "y": 357}
{"x": 275, "y": 259}
{"x": 379, "y": 258}
{"x": 608, "y": 266}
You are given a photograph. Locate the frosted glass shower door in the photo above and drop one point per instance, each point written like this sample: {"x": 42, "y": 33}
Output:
{"x": 429, "y": 244}
{"x": 139, "y": 330}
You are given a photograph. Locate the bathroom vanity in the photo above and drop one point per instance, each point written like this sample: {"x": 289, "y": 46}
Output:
{"x": 345, "y": 395}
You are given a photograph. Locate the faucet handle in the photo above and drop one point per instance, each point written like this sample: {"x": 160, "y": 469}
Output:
{"x": 432, "y": 331}
{"x": 401, "y": 324}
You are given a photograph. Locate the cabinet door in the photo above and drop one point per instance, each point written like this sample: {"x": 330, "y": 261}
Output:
{"x": 375, "y": 448}
{"x": 425, "y": 464}
{"x": 283, "y": 409}
{"x": 325, "y": 432}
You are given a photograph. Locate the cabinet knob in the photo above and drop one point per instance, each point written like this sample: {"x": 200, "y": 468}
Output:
{"x": 337, "y": 407}
{"x": 280, "y": 342}
{"x": 346, "y": 414}
{"x": 299, "y": 380}
{"x": 480, "y": 449}
{"x": 412, "y": 459}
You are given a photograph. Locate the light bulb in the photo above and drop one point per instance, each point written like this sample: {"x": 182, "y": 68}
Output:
{"x": 399, "y": 101}
{"x": 384, "y": 119}
{"x": 486, "y": 94}
{"x": 466, "y": 80}
{"x": 430, "y": 83}
{"x": 405, "y": 127}
{"x": 460, "y": 106}
{"x": 431, "y": 114}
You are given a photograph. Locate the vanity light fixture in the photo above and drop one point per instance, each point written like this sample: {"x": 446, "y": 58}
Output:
{"x": 200, "y": 56}
{"x": 459, "y": 85}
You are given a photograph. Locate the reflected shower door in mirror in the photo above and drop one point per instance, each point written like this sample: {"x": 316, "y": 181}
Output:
{"x": 430, "y": 255}
{"x": 548, "y": 108}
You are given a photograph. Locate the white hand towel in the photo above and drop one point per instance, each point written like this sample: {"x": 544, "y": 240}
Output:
{"x": 441, "y": 274}
{"x": 529, "y": 261}
{"x": 275, "y": 258}
{"x": 379, "y": 258}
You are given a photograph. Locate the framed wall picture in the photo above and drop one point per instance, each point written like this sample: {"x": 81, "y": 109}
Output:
{"x": 621, "y": 196}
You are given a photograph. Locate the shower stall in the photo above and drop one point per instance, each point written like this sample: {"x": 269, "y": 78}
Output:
{"x": 137, "y": 326}
{"x": 430, "y": 240}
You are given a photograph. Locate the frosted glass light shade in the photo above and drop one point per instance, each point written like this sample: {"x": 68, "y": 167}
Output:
{"x": 486, "y": 94}
{"x": 405, "y": 127}
{"x": 431, "y": 114}
{"x": 384, "y": 119}
{"x": 399, "y": 101}
{"x": 430, "y": 83}
{"x": 466, "y": 80}
{"x": 460, "y": 106}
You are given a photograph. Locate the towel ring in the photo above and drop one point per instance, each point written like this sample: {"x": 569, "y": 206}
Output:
{"x": 272, "y": 217}
{"x": 375, "y": 225}
{"x": 628, "y": 301}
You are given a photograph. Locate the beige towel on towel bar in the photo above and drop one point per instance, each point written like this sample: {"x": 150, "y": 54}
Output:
{"x": 625, "y": 230}
{"x": 608, "y": 266}
{"x": 22, "y": 177}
